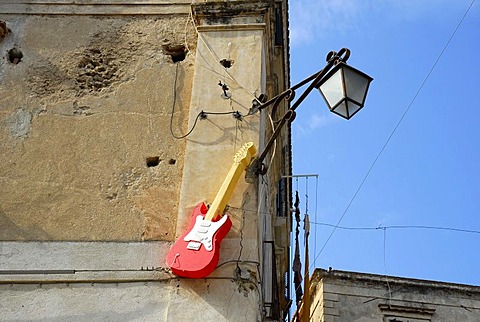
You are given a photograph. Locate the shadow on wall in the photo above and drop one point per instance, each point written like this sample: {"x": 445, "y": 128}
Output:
{"x": 10, "y": 231}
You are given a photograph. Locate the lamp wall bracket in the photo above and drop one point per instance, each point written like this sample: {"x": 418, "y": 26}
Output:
{"x": 333, "y": 58}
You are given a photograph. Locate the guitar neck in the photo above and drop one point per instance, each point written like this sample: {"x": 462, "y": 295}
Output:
{"x": 226, "y": 190}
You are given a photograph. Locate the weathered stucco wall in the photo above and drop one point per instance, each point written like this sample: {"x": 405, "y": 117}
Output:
{"x": 81, "y": 113}
{"x": 85, "y": 281}
{"x": 94, "y": 188}
{"x": 136, "y": 301}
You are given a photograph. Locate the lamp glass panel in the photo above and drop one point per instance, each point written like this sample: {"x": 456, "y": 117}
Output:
{"x": 341, "y": 109}
{"x": 353, "y": 108}
{"x": 332, "y": 89}
{"x": 356, "y": 84}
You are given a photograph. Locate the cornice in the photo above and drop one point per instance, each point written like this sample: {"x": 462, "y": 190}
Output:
{"x": 95, "y": 7}
{"x": 231, "y": 13}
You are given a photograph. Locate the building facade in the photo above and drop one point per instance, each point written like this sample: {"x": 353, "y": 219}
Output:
{"x": 117, "y": 119}
{"x": 349, "y": 296}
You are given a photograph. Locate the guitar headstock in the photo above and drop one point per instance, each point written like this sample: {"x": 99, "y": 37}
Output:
{"x": 245, "y": 154}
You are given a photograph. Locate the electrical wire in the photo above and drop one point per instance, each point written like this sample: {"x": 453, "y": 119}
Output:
{"x": 201, "y": 114}
{"x": 458, "y": 230}
{"x": 400, "y": 227}
{"x": 118, "y": 281}
{"x": 190, "y": 17}
{"x": 242, "y": 225}
{"x": 395, "y": 128}
{"x": 274, "y": 143}
{"x": 220, "y": 113}
{"x": 216, "y": 58}
{"x": 241, "y": 239}
{"x": 316, "y": 218}
{"x": 385, "y": 266}
{"x": 238, "y": 261}
{"x": 186, "y": 134}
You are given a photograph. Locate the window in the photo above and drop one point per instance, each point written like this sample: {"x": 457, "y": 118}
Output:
{"x": 281, "y": 198}
{"x": 404, "y": 319}
{"x": 398, "y": 313}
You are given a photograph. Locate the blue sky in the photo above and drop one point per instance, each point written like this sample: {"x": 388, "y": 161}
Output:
{"x": 428, "y": 174}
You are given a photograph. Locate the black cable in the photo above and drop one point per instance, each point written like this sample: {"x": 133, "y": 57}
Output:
{"x": 399, "y": 227}
{"x": 237, "y": 262}
{"x": 221, "y": 113}
{"x": 241, "y": 237}
{"x": 189, "y": 132}
{"x": 202, "y": 113}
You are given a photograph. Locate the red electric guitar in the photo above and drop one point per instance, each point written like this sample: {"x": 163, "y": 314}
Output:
{"x": 195, "y": 254}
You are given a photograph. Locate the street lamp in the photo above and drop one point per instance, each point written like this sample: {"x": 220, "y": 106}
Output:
{"x": 343, "y": 87}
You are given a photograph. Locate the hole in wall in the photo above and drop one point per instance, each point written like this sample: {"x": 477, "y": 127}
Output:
{"x": 152, "y": 161}
{"x": 15, "y": 55}
{"x": 176, "y": 52}
{"x": 172, "y": 161}
{"x": 176, "y": 57}
{"x": 227, "y": 63}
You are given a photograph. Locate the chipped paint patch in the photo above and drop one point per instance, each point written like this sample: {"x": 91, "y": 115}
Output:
{"x": 20, "y": 123}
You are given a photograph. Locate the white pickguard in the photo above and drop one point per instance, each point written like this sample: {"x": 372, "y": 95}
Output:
{"x": 202, "y": 233}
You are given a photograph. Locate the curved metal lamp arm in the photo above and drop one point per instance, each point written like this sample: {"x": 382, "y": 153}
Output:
{"x": 333, "y": 58}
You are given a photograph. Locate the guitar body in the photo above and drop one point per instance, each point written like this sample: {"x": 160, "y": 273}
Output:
{"x": 195, "y": 254}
